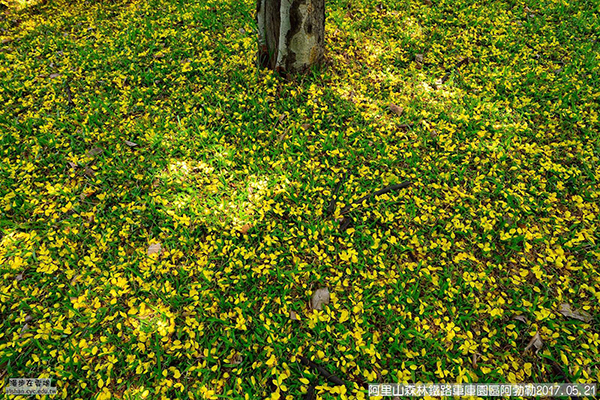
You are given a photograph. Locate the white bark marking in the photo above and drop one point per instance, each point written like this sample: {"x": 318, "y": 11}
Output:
{"x": 303, "y": 43}
{"x": 284, "y": 28}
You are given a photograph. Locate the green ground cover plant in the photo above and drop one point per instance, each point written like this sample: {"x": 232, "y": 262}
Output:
{"x": 164, "y": 204}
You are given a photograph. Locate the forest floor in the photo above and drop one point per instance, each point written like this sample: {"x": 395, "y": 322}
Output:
{"x": 164, "y": 204}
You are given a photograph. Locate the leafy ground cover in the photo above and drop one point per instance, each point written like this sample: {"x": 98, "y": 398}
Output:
{"x": 163, "y": 204}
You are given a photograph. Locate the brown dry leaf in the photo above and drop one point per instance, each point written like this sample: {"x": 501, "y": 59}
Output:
{"x": 419, "y": 58}
{"x": 536, "y": 342}
{"x": 282, "y": 136}
{"x": 521, "y": 318}
{"x": 319, "y": 298}
{"x": 23, "y": 330}
{"x": 55, "y": 75}
{"x": 396, "y": 109}
{"x": 463, "y": 61}
{"x": 89, "y": 171}
{"x": 130, "y": 143}
{"x": 306, "y": 126}
{"x": 75, "y": 279}
{"x": 244, "y": 229}
{"x": 72, "y": 164}
{"x": 94, "y": 152}
{"x": 567, "y": 311}
{"x": 85, "y": 194}
{"x": 19, "y": 277}
{"x": 294, "y": 316}
{"x": 154, "y": 248}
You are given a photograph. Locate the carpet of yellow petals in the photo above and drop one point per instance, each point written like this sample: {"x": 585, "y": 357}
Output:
{"x": 163, "y": 203}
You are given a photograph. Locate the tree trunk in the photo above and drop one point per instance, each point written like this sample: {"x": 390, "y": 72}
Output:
{"x": 290, "y": 34}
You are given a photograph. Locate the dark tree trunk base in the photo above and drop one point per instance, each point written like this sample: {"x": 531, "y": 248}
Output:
{"x": 291, "y": 34}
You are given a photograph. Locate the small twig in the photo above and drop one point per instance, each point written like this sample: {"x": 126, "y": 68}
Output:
{"x": 326, "y": 374}
{"x": 346, "y": 222}
{"x": 310, "y": 393}
{"x": 412, "y": 256}
{"x": 331, "y": 207}
{"x": 69, "y": 94}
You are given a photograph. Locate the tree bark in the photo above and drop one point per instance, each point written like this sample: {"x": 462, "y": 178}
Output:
{"x": 290, "y": 34}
